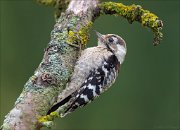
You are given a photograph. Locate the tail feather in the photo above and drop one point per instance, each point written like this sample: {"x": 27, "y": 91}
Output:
{"x": 56, "y": 106}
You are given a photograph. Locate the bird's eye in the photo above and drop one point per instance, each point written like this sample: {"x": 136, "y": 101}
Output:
{"x": 110, "y": 39}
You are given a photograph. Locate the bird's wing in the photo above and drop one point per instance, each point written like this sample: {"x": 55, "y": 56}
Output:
{"x": 99, "y": 80}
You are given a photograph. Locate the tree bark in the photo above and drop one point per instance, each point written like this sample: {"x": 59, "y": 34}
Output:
{"x": 50, "y": 78}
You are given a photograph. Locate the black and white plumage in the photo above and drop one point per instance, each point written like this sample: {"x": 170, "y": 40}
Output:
{"x": 95, "y": 71}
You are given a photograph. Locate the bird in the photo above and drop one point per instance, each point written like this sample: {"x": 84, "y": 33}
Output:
{"x": 95, "y": 71}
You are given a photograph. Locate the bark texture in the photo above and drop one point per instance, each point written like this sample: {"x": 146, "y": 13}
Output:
{"x": 50, "y": 78}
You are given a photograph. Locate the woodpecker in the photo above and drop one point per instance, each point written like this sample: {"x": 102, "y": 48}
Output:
{"x": 95, "y": 71}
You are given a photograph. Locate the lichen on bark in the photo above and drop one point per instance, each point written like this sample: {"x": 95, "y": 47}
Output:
{"x": 51, "y": 76}
{"x": 135, "y": 13}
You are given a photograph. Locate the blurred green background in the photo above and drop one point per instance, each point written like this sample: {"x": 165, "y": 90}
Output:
{"x": 146, "y": 93}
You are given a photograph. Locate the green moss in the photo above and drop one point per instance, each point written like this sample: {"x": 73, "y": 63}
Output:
{"x": 79, "y": 36}
{"x": 47, "y": 2}
{"x": 48, "y": 119}
{"x": 135, "y": 13}
{"x": 71, "y": 37}
{"x": 61, "y": 5}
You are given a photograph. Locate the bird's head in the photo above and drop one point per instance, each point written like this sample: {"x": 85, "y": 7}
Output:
{"x": 114, "y": 43}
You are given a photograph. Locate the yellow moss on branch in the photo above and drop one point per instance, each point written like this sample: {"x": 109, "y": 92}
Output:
{"x": 48, "y": 119}
{"x": 80, "y": 36}
{"x": 135, "y": 13}
{"x": 47, "y": 2}
{"x": 59, "y": 5}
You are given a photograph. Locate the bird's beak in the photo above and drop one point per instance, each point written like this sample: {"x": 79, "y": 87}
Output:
{"x": 100, "y": 36}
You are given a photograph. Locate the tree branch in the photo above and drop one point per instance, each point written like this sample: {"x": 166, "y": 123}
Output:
{"x": 70, "y": 34}
{"x": 135, "y": 13}
{"x": 50, "y": 78}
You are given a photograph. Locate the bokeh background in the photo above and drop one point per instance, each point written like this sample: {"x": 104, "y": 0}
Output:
{"x": 146, "y": 93}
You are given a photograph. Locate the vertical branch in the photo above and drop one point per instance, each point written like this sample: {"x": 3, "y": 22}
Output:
{"x": 41, "y": 90}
